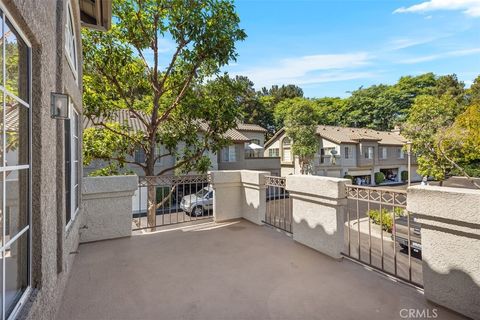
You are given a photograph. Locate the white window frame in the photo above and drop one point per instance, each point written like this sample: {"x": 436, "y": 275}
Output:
{"x": 287, "y": 150}
{"x": 74, "y": 188}
{"x": 71, "y": 40}
{"x": 229, "y": 154}
{"x": 384, "y": 153}
{"x": 273, "y": 152}
{"x": 3, "y": 168}
{"x": 369, "y": 151}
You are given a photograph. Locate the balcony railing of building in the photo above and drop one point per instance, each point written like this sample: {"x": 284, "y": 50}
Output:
{"x": 166, "y": 200}
{"x": 278, "y": 211}
{"x": 380, "y": 232}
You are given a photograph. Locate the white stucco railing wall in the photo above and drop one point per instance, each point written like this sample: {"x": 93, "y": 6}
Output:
{"x": 450, "y": 219}
{"x": 319, "y": 205}
{"x": 239, "y": 194}
{"x": 107, "y": 207}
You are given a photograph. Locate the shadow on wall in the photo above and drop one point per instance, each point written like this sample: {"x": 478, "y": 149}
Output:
{"x": 451, "y": 268}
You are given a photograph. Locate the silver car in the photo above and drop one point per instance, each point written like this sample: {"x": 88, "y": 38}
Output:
{"x": 196, "y": 204}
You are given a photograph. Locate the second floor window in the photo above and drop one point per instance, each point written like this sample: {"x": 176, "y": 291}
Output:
{"x": 401, "y": 153}
{"x": 368, "y": 152}
{"x": 273, "y": 152}
{"x": 71, "y": 41}
{"x": 229, "y": 154}
{"x": 286, "y": 150}
{"x": 384, "y": 153}
{"x": 347, "y": 153}
{"x": 140, "y": 156}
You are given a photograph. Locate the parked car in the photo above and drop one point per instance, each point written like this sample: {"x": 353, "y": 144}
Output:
{"x": 197, "y": 204}
{"x": 401, "y": 234}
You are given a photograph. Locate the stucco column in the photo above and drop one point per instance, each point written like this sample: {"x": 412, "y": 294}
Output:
{"x": 227, "y": 195}
{"x": 107, "y": 207}
{"x": 255, "y": 195}
{"x": 450, "y": 219}
{"x": 319, "y": 205}
{"x": 239, "y": 194}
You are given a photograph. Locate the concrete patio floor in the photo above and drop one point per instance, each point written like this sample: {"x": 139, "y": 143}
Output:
{"x": 233, "y": 270}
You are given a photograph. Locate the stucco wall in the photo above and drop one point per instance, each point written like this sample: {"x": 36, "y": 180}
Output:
{"x": 318, "y": 205}
{"x": 53, "y": 246}
{"x": 107, "y": 203}
{"x": 239, "y": 194}
{"x": 450, "y": 245}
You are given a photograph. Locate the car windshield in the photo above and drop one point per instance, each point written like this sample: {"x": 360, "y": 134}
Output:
{"x": 201, "y": 193}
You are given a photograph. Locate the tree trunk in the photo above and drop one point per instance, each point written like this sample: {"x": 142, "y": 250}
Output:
{"x": 151, "y": 193}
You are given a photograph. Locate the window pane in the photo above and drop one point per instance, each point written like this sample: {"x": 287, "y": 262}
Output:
{"x": 16, "y": 63}
{"x": 1, "y": 48}
{"x": 16, "y": 271}
{"x": 16, "y": 130}
{"x": 1, "y": 213}
{"x": 16, "y": 202}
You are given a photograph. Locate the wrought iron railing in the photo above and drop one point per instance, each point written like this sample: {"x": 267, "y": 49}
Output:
{"x": 381, "y": 233}
{"x": 278, "y": 211}
{"x": 166, "y": 200}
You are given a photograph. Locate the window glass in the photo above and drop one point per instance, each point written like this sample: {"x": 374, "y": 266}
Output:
{"x": 140, "y": 156}
{"x": 347, "y": 155}
{"x": 286, "y": 153}
{"x": 16, "y": 271}
{"x": 16, "y": 202}
{"x": 70, "y": 40}
{"x": 232, "y": 154}
{"x": 16, "y": 133}
{"x": 16, "y": 64}
{"x": 14, "y": 166}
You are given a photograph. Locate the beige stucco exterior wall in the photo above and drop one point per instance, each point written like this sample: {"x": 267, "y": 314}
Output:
{"x": 450, "y": 219}
{"x": 107, "y": 203}
{"x": 318, "y": 205}
{"x": 239, "y": 194}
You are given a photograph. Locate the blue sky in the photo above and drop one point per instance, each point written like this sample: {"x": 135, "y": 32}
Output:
{"x": 332, "y": 47}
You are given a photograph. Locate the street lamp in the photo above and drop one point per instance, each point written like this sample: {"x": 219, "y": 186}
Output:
{"x": 409, "y": 157}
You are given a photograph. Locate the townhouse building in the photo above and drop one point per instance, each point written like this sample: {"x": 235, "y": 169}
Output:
{"x": 355, "y": 152}
{"x": 245, "y": 152}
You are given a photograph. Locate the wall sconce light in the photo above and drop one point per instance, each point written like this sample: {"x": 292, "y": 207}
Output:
{"x": 60, "y": 104}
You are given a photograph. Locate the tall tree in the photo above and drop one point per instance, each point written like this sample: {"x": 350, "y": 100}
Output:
{"x": 428, "y": 117}
{"x": 459, "y": 144}
{"x": 126, "y": 70}
{"x": 300, "y": 126}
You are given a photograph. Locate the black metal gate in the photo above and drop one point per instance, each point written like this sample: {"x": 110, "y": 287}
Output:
{"x": 279, "y": 205}
{"x": 381, "y": 233}
{"x": 167, "y": 200}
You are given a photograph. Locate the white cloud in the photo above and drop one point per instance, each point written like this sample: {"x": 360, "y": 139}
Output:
{"x": 469, "y": 7}
{"x": 403, "y": 43}
{"x": 305, "y": 69}
{"x": 448, "y": 54}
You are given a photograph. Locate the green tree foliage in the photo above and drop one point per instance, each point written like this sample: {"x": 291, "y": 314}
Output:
{"x": 300, "y": 126}
{"x": 429, "y": 116}
{"x": 284, "y": 92}
{"x": 473, "y": 93}
{"x": 459, "y": 144}
{"x": 125, "y": 69}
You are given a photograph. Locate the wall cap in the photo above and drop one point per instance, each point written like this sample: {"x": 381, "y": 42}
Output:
{"x": 109, "y": 184}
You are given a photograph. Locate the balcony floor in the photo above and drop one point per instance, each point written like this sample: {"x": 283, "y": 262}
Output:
{"x": 234, "y": 270}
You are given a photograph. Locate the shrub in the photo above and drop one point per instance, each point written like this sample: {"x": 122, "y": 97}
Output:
{"x": 404, "y": 175}
{"x": 385, "y": 217}
{"x": 347, "y": 176}
{"x": 379, "y": 177}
